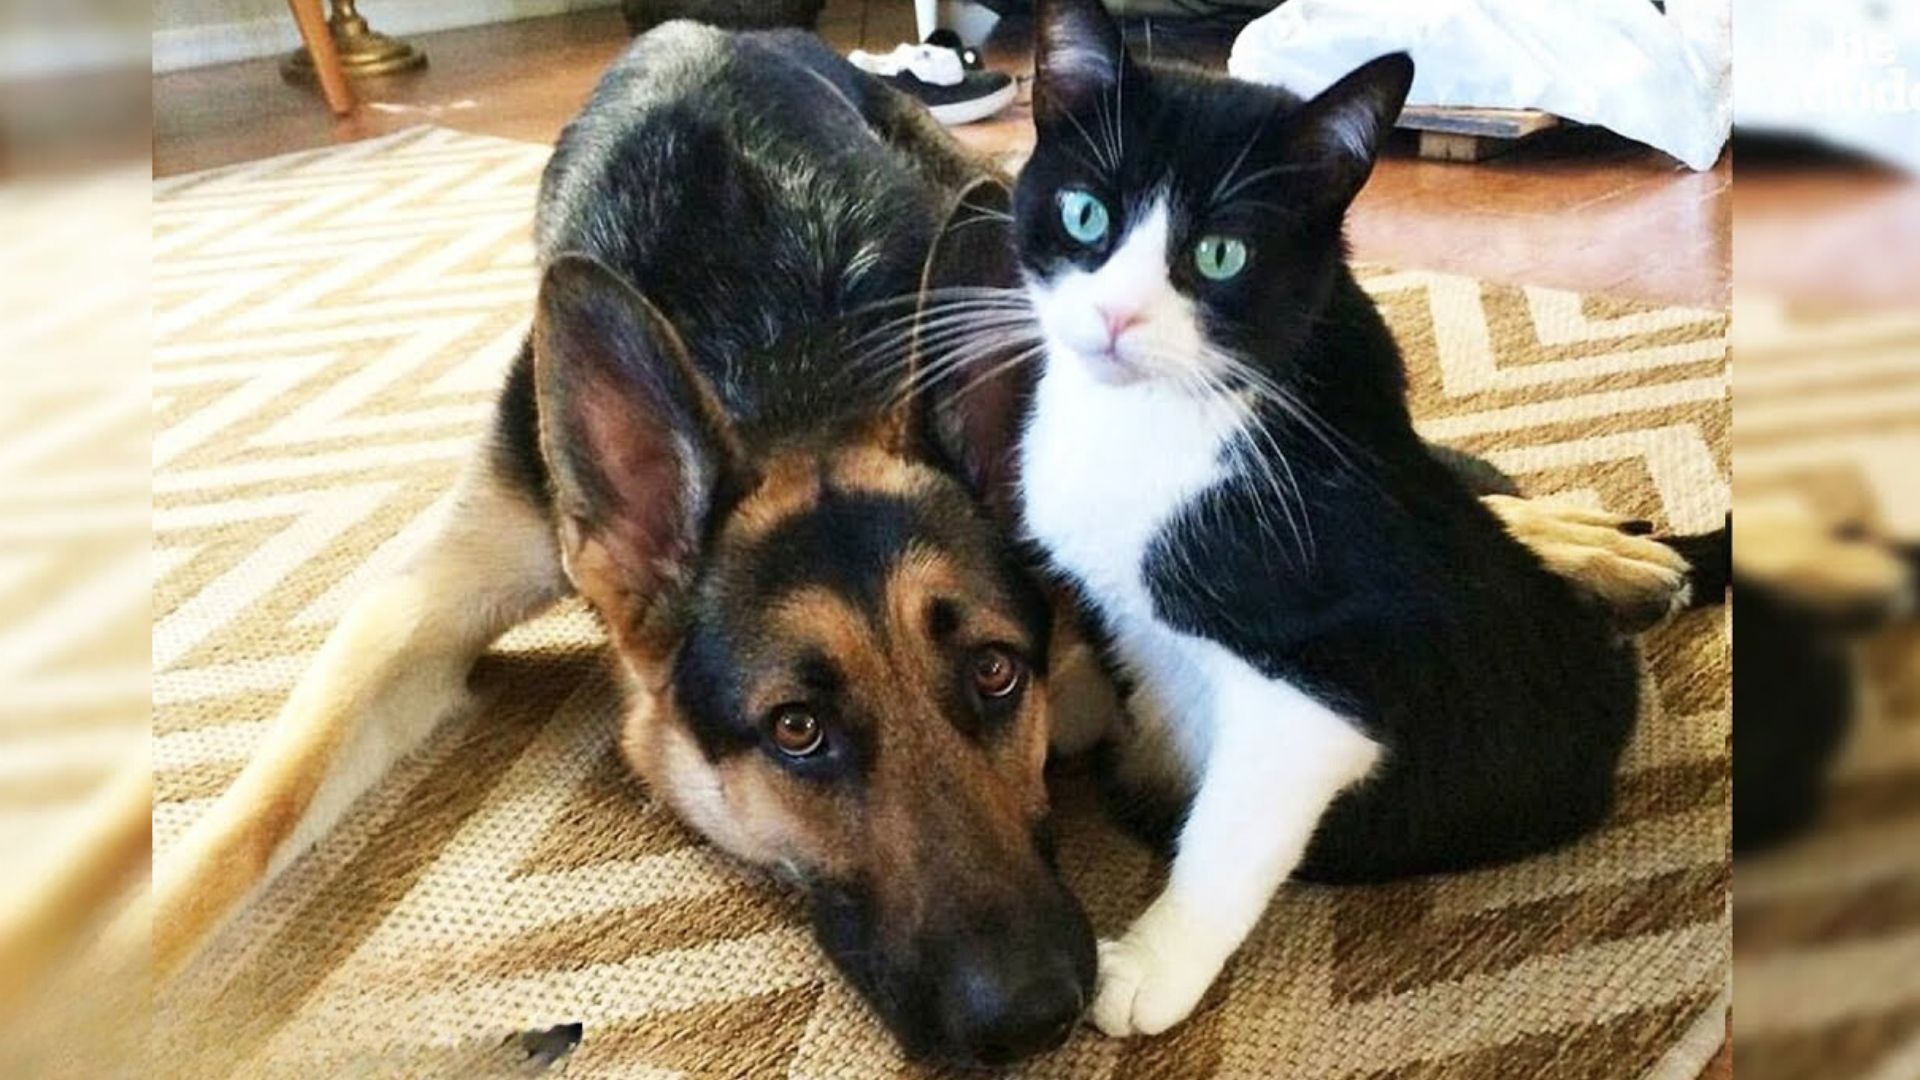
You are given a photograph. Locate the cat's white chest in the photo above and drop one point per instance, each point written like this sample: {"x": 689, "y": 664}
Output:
{"x": 1104, "y": 468}
{"x": 1103, "y": 471}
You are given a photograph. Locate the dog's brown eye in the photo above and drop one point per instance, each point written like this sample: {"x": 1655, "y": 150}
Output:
{"x": 796, "y": 731}
{"x": 996, "y": 672}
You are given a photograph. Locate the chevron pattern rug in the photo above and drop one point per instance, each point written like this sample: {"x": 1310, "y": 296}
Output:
{"x": 331, "y": 327}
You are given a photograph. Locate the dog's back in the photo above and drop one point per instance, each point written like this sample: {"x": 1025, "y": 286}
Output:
{"x": 738, "y": 181}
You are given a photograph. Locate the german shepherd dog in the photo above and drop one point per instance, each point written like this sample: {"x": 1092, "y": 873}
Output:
{"x": 841, "y": 669}
{"x": 840, "y": 666}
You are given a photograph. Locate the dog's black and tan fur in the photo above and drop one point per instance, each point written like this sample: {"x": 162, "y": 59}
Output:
{"x": 841, "y": 670}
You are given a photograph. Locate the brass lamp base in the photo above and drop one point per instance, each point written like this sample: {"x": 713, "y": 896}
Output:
{"x": 364, "y": 52}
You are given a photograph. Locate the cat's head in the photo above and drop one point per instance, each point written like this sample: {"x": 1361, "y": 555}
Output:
{"x": 1170, "y": 218}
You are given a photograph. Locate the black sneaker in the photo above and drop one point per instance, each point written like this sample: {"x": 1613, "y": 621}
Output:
{"x": 947, "y": 39}
{"x": 950, "y": 82}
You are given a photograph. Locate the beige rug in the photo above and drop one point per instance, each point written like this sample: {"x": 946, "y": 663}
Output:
{"x": 331, "y": 326}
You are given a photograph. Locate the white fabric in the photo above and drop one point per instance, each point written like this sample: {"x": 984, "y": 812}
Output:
{"x": 1663, "y": 80}
{"x": 928, "y": 63}
{"x": 1846, "y": 71}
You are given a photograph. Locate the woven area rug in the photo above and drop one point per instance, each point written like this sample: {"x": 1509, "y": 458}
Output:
{"x": 331, "y": 326}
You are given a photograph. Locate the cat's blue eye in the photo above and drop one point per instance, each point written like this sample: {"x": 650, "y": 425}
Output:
{"x": 1219, "y": 258}
{"x": 1083, "y": 216}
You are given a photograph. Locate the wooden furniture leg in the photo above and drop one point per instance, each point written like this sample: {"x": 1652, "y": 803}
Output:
{"x": 326, "y": 59}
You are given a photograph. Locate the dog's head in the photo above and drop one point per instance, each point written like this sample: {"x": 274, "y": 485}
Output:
{"x": 843, "y": 666}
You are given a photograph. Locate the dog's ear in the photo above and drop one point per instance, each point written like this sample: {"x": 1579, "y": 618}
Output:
{"x": 1078, "y": 55}
{"x": 635, "y": 440}
{"x": 973, "y": 392}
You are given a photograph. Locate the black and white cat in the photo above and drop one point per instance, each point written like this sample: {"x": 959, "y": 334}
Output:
{"x": 1343, "y": 667}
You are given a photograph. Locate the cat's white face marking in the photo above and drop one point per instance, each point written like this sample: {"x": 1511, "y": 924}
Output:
{"x": 1124, "y": 320}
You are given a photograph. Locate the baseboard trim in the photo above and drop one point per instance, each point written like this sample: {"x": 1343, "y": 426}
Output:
{"x": 184, "y": 47}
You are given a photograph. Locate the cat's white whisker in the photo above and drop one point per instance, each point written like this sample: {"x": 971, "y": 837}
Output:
{"x": 1106, "y": 165}
{"x": 1258, "y": 175}
{"x": 1025, "y": 356}
{"x": 958, "y": 344}
{"x": 980, "y": 214}
{"x": 933, "y": 297}
{"x": 1268, "y": 388}
{"x": 1262, "y": 461}
{"x": 902, "y": 329}
{"x": 919, "y": 332}
{"x": 1227, "y": 177}
{"x": 1267, "y": 455}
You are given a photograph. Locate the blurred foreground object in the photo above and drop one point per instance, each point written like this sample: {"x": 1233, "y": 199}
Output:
{"x": 1844, "y": 72}
{"x": 1826, "y": 341}
{"x": 75, "y": 562}
{"x": 1809, "y": 594}
{"x": 74, "y": 88}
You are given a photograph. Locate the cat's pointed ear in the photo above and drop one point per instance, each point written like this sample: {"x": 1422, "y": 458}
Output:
{"x": 634, "y": 439}
{"x": 972, "y": 410}
{"x": 1079, "y": 54}
{"x": 1339, "y": 133}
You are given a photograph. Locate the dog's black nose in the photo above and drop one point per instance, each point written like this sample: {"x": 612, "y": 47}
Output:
{"x": 1007, "y": 1004}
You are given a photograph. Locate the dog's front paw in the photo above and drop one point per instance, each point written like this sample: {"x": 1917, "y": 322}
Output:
{"x": 1142, "y": 991}
{"x": 1638, "y": 580}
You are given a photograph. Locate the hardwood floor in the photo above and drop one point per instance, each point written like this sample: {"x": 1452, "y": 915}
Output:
{"x": 1579, "y": 209}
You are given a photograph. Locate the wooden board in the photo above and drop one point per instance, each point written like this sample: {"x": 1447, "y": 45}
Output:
{"x": 1461, "y": 134}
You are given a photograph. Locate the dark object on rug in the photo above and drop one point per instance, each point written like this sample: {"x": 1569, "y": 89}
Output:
{"x": 544, "y": 1048}
{"x": 644, "y": 15}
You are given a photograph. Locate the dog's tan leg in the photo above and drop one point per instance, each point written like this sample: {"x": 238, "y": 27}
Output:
{"x": 1639, "y": 579}
{"x": 394, "y": 667}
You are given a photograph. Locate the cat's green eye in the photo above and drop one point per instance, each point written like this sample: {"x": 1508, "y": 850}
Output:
{"x": 1083, "y": 216}
{"x": 1219, "y": 257}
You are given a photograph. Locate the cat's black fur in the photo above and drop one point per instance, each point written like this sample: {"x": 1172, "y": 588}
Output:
{"x": 1503, "y": 699}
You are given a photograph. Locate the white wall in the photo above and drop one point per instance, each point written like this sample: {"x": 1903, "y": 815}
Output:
{"x": 196, "y": 33}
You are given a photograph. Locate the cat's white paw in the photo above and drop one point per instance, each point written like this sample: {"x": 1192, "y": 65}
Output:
{"x": 1143, "y": 990}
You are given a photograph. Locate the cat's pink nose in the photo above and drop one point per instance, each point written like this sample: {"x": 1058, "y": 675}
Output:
{"x": 1119, "y": 322}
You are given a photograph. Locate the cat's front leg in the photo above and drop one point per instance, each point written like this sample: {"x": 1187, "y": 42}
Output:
{"x": 1277, "y": 760}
